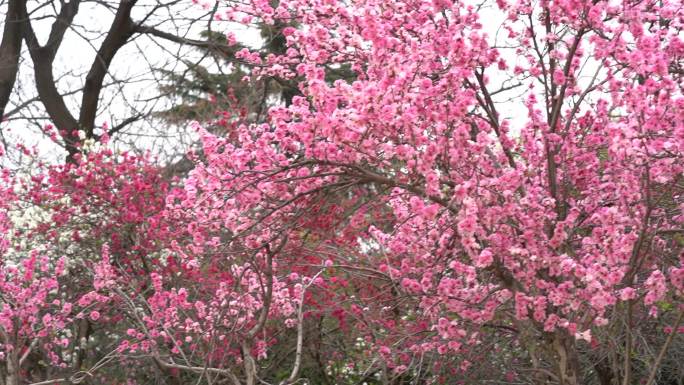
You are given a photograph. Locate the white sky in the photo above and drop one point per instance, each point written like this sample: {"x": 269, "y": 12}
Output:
{"x": 131, "y": 62}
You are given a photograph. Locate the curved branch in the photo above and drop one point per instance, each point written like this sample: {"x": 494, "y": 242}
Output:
{"x": 10, "y": 49}
{"x": 120, "y": 31}
{"x": 43, "y": 58}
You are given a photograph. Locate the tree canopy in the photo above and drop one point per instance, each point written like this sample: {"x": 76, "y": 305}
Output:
{"x": 438, "y": 192}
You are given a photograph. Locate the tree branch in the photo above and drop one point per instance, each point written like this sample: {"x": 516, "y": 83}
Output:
{"x": 663, "y": 350}
{"x": 10, "y": 49}
{"x": 294, "y": 375}
{"x": 43, "y": 58}
{"x": 120, "y": 31}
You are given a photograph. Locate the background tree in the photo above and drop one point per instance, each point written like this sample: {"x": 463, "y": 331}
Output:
{"x": 90, "y": 67}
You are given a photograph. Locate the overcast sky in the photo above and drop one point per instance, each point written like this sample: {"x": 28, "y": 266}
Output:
{"x": 134, "y": 61}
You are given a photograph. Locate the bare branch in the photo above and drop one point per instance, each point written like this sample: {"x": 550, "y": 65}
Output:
{"x": 119, "y": 33}
{"x": 10, "y": 48}
{"x": 43, "y": 58}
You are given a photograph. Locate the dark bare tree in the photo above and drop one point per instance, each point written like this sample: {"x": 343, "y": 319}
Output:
{"x": 44, "y": 79}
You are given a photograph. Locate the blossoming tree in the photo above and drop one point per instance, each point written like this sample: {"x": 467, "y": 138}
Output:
{"x": 549, "y": 226}
{"x": 495, "y": 196}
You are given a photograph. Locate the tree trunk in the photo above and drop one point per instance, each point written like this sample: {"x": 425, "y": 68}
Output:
{"x": 249, "y": 363}
{"x": 12, "y": 368}
{"x": 604, "y": 373}
{"x": 566, "y": 356}
{"x": 10, "y": 48}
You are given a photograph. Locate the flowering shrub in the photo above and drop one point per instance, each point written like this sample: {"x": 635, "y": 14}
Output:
{"x": 453, "y": 211}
